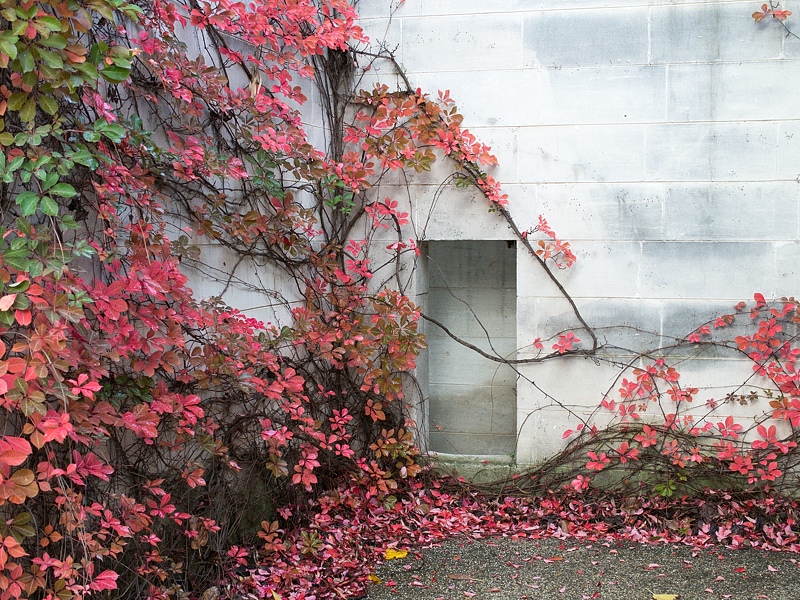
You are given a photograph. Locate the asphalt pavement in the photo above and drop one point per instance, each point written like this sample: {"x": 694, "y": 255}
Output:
{"x": 556, "y": 569}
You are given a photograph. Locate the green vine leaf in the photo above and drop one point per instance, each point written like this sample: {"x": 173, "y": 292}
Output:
{"x": 51, "y": 59}
{"x": 49, "y": 206}
{"x": 26, "y": 61}
{"x": 28, "y": 201}
{"x": 28, "y": 111}
{"x": 64, "y": 190}
{"x": 115, "y": 73}
{"x": 17, "y": 100}
{"x": 8, "y": 44}
{"x": 48, "y": 105}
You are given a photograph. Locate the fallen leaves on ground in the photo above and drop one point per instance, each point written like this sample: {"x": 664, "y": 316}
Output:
{"x": 366, "y": 531}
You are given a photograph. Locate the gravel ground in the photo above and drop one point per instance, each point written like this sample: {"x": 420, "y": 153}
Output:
{"x": 502, "y": 568}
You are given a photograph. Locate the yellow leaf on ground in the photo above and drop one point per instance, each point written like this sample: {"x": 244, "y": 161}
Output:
{"x": 275, "y": 596}
{"x": 374, "y": 578}
{"x": 392, "y": 553}
{"x": 665, "y": 596}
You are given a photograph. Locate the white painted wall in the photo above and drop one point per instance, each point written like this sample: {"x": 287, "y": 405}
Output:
{"x": 661, "y": 138}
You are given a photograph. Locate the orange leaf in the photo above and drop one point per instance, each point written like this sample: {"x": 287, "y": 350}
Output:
{"x": 16, "y": 365}
{"x": 19, "y": 487}
{"x": 13, "y": 547}
{"x": 14, "y": 451}
{"x": 23, "y": 477}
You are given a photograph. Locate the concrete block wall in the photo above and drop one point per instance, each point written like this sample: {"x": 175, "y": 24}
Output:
{"x": 660, "y": 137}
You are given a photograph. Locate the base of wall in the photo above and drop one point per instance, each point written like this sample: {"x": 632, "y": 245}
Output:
{"x": 475, "y": 468}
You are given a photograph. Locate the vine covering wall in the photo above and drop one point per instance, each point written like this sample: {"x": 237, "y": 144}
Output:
{"x": 155, "y": 441}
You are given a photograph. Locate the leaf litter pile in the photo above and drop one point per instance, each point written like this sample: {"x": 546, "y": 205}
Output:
{"x": 599, "y": 545}
{"x": 438, "y": 540}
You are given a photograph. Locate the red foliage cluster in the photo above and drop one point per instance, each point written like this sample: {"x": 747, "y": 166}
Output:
{"x": 771, "y": 10}
{"x": 681, "y": 438}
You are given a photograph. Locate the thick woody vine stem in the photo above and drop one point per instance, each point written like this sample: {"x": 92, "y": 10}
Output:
{"x": 493, "y": 357}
